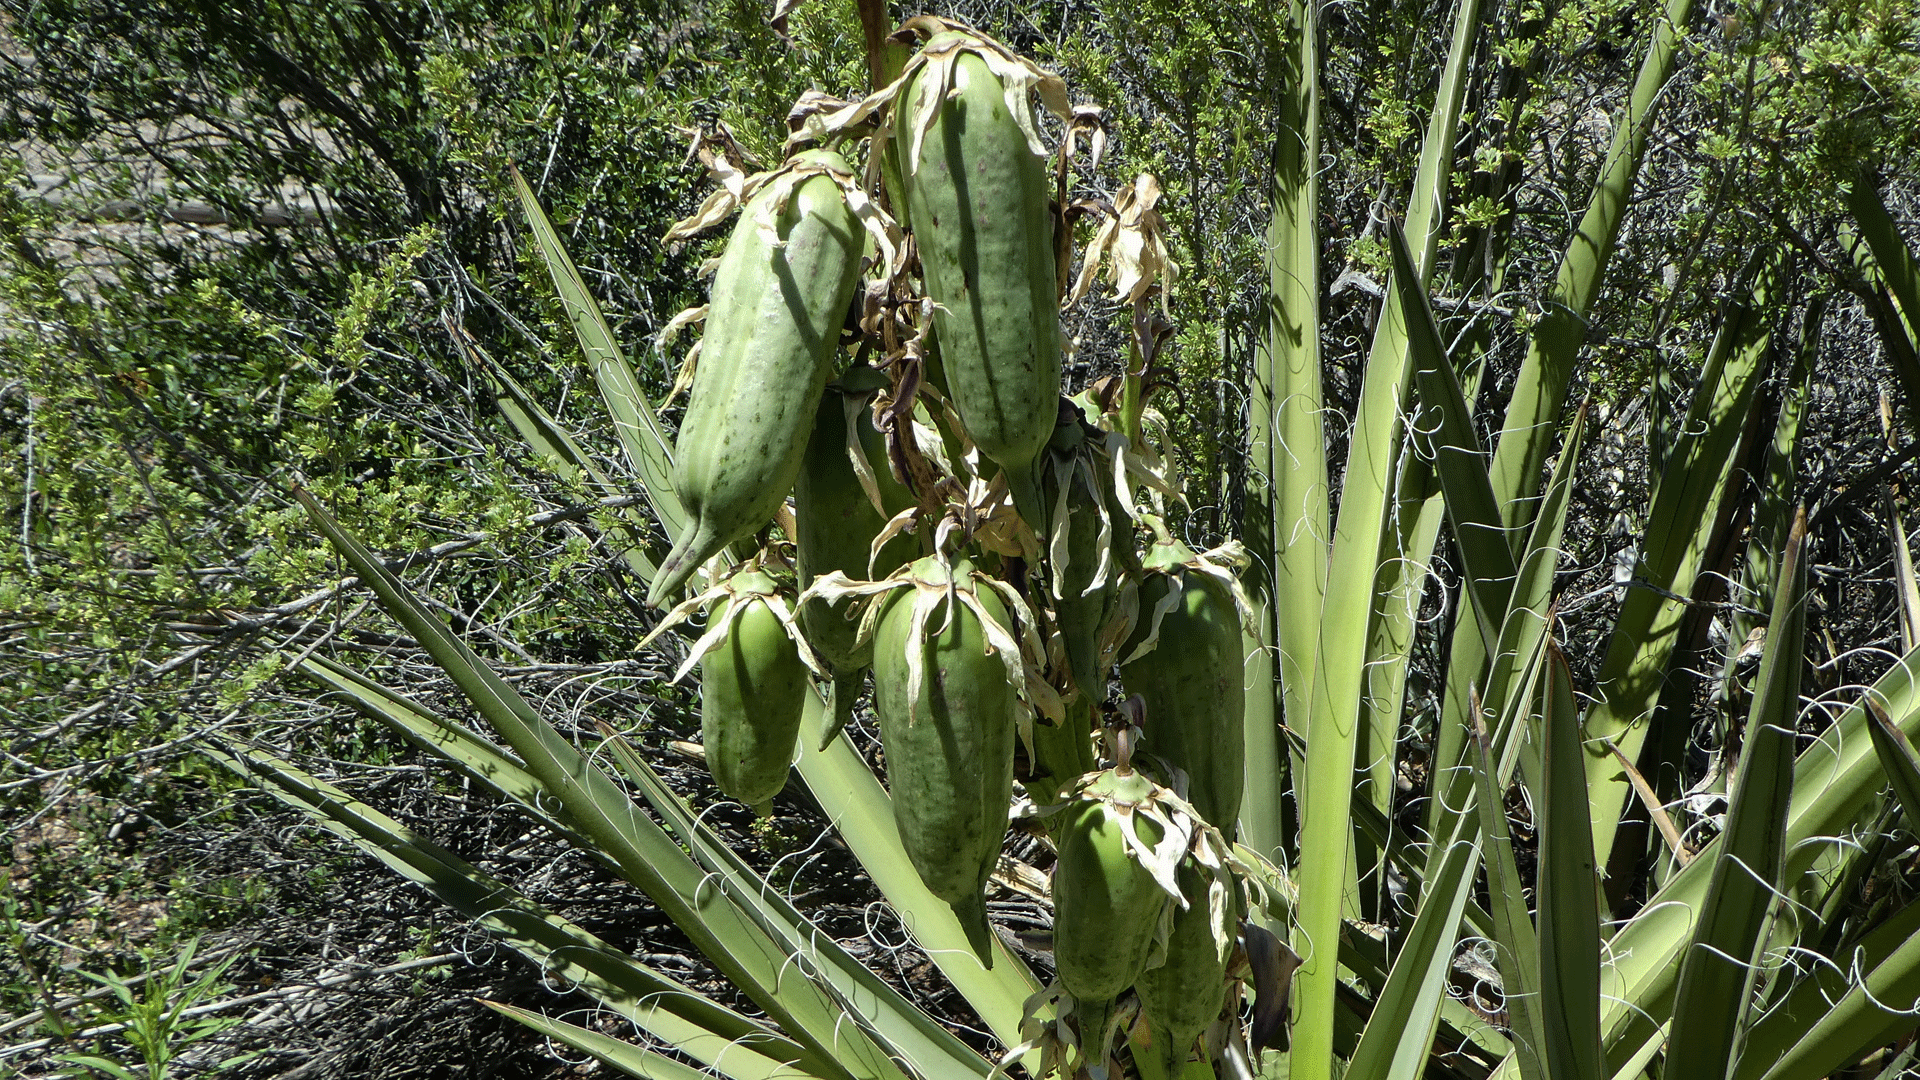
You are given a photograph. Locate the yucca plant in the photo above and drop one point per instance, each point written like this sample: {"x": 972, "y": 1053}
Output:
{"x": 1212, "y": 741}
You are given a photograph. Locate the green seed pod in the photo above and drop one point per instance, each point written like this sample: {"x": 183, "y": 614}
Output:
{"x": 1106, "y": 903}
{"x": 947, "y": 713}
{"x": 1190, "y": 679}
{"x": 836, "y": 519}
{"x": 753, "y": 688}
{"x": 978, "y": 194}
{"x": 1181, "y": 997}
{"x": 1087, "y": 529}
{"x": 779, "y": 298}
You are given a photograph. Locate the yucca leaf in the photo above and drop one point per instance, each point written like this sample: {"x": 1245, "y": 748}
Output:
{"x": 1518, "y": 952}
{"x": 1398, "y": 1036}
{"x": 1876, "y": 1011}
{"x": 1772, "y": 515}
{"x": 1812, "y": 1000}
{"x": 902, "y": 1028}
{"x": 1540, "y": 388}
{"x": 1569, "y": 904}
{"x": 1286, "y": 526}
{"x": 1716, "y": 969}
{"x": 997, "y": 995}
{"x": 1894, "y": 261}
{"x": 539, "y": 430}
{"x": 1897, "y": 758}
{"x": 870, "y": 1001}
{"x": 644, "y": 853}
{"x": 624, "y": 1056}
{"x": 1689, "y": 498}
{"x": 1408, "y": 541}
{"x": 1523, "y": 636}
{"x": 485, "y": 763}
{"x": 675, "y": 1014}
{"x": 1326, "y": 786}
{"x": 649, "y": 450}
{"x": 1836, "y": 780}
{"x": 1894, "y": 326}
{"x": 1906, "y": 584}
{"x": 1444, "y": 430}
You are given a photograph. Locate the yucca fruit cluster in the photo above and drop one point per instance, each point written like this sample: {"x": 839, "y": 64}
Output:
{"x": 887, "y": 351}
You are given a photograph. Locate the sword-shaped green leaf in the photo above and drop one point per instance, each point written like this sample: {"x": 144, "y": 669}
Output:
{"x": 1540, "y": 388}
{"x": 1332, "y": 728}
{"x": 624, "y": 1056}
{"x": 904, "y": 1029}
{"x": 1569, "y": 919}
{"x": 544, "y": 434}
{"x": 1286, "y": 523}
{"x": 644, "y": 853}
{"x": 1836, "y": 780}
{"x": 1523, "y": 634}
{"x": 1894, "y": 261}
{"x": 1443, "y": 429}
{"x": 1897, "y": 758}
{"x": 1815, "y": 1000}
{"x": 1518, "y": 946}
{"x": 669, "y": 1011}
{"x": 1408, "y": 541}
{"x": 1398, "y": 1037}
{"x": 1717, "y": 969}
{"x": 1689, "y": 497}
{"x": 1873, "y": 1012}
{"x": 486, "y": 763}
{"x": 649, "y": 450}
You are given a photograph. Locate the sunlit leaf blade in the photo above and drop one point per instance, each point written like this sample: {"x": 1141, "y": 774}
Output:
{"x": 644, "y": 853}
{"x": 648, "y": 448}
{"x": 1835, "y": 781}
{"x": 1566, "y": 888}
{"x": 1518, "y": 946}
{"x": 1689, "y": 497}
{"x": 669, "y": 1011}
{"x": 1895, "y": 329}
{"x": 1399, "y": 1033}
{"x": 544, "y": 434}
{"x": 626, "y": 1057}
{"x": 1717, "y": 967}
{"x": 1540, "y": 388}
{"x": 901, "y": 1027}
{"x": 1445, "y": 427}
{"x": 472, "y": 755}
{"x": 1772, "y": 514}
{"x": 871, "y": 1001}
{"x": 1332, "y": 728}
{"x": 1871, "y": 1014}
{"x": 1523, "y": 636}
{"x": 1897, "y": 757}
{"x": 1398, "y": 1037}
{"x": 1342, "y": 668}
{"x": 1287, "y": 508}
{"x": 1414, "y": 524}
{"x": 1812, "y": 1000}
{"x": 1906, "y": 583}
{"x": 1898, "y": 269}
